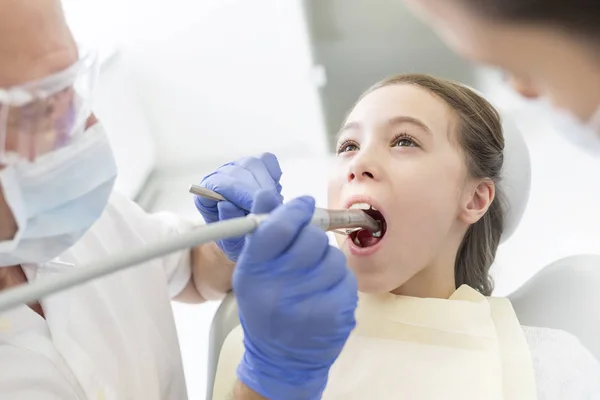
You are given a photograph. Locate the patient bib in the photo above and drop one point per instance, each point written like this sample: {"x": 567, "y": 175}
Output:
{"x": 466, "y": 347}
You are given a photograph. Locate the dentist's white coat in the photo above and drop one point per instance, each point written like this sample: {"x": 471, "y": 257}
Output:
{"x": 112, "y": 338}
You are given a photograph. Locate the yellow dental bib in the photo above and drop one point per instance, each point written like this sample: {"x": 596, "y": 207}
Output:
{"x": 466, "y": 347}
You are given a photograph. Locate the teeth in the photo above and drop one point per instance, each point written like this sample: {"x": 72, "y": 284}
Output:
{"x": 356, "y": 242}
{"x": 360, "y": 206}
{"x": 376, "y": 234}
{"x": 363, "y": 206}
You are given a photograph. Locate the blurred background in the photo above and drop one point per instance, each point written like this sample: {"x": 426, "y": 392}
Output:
{"x": 187, "y": 85}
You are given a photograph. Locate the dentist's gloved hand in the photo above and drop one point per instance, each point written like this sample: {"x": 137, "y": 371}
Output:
{"x": 296, "y": 301}
{"x": 238, "y": 182}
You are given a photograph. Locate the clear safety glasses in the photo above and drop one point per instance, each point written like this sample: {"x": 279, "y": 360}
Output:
{"x": 42, "y": 116}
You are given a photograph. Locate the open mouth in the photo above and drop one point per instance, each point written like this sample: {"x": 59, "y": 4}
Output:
{"x": 364, "y": 237}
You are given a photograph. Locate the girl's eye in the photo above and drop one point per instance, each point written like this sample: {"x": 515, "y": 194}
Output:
{"x": 347, "y": 146}
{"x": 405, "y": 143}
{"x": 404, "y": 140}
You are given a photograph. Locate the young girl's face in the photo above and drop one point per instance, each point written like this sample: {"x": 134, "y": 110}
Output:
{"x": 398, "y": 152}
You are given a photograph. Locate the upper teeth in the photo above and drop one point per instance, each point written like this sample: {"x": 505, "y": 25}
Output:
{"x": 362, "y": 206}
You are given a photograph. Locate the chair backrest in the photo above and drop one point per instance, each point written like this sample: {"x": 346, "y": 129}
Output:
{"x": 564, "y": 295}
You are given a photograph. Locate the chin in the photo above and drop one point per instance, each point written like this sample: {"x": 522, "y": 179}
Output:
{"x": 373, "y": 279}
{"x": 374, "y": 272}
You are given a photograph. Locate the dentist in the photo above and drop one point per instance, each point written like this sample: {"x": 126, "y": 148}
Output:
{"x": 110, "y": 339}
{"x": 115, "y": 338}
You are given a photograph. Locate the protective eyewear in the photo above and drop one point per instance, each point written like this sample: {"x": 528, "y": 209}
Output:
{"x": 39, "y": 117}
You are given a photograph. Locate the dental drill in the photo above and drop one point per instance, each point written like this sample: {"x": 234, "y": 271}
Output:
{"x": 30, "y": 293}
{"x": 326, "y": 219}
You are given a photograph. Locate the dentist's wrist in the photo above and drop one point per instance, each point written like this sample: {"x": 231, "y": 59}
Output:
{"x": 211, "y": 271}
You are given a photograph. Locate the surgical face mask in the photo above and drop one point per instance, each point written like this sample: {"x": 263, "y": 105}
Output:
{"x": 585, "y": 135}
{"x": 57, "y": 198}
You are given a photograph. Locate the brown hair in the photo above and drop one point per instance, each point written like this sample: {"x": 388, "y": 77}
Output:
{"x": 479, "y": 134}
{"x": 581, "y": 17}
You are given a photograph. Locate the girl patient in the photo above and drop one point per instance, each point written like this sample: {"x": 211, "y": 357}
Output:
{"x": 424, "y": 156}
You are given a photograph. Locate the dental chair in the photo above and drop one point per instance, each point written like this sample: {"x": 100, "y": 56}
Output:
{"x": 538, "y": 303}
{"x": 554, "y": 297}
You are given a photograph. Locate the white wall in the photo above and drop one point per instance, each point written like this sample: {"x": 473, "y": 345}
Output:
{"x": 217, "y": 78}
{"x": 227, "y": 78}
{"x": 126, "y": 126}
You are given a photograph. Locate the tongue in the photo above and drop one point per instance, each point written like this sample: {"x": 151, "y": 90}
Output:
{"x": 366, "y": 239}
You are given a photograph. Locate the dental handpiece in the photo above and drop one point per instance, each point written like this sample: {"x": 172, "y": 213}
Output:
{"x": 235, "y": 227}
{"x": 326, "y": 219}
{"x": 334, "y": 220}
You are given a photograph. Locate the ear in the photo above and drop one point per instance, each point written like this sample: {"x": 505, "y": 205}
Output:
{"x": 477, "y": 201}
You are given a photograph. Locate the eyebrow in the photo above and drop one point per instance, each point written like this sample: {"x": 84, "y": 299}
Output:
{"x": 402, "y": 119}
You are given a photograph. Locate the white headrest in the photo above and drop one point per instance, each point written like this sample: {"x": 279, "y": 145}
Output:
{"x": 516, "y": 176}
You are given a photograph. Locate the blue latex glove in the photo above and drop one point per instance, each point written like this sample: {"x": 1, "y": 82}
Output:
{"x": 238, "y": 182}
{"x": 296, "y": 300}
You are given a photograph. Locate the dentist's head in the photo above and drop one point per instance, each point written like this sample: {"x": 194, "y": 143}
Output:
{"x": 34, "y": 42}
{"x": 548, "y": 48}
{"x": 55, "y": 174}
